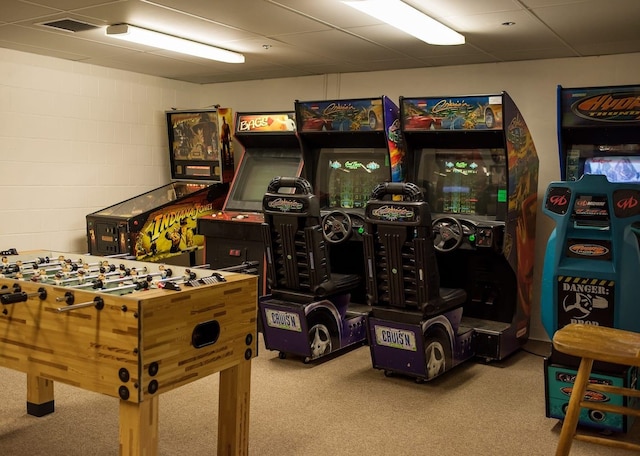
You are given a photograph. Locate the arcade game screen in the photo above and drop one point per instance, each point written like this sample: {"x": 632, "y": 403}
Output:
{"x": 259, "y": 167}
{"x": 464, "y": 181}
{"x": 619, "y": 163}
{"x": 346, "y": 176}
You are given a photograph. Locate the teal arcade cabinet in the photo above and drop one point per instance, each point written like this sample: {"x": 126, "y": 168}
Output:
{"x": 592, "y": 259}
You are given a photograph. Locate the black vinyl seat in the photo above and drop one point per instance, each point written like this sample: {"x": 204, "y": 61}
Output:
{"x": 297, "y": 257}
{"x": 402, "y": 278}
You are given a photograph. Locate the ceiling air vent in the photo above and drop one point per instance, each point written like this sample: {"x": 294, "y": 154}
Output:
{"x": 69, "y": 25}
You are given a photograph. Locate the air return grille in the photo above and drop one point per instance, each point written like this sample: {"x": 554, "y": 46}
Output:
{"x": 69, "y": 25}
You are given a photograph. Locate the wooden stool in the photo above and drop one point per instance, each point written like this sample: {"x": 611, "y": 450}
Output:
{"x": 595, "y": 343}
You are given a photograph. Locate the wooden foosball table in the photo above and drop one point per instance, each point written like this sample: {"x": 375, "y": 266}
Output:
{"x": 131, "y": 330}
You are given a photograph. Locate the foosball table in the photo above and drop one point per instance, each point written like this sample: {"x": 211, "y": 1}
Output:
{"x": 131, "y": 330}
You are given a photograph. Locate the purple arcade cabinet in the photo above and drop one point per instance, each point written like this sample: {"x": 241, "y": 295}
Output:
{"x": 349, "y": 146}
{"x": 474, "y": 160}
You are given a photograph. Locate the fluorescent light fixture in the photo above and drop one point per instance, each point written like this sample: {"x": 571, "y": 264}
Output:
{"x": 408, "y": 19}
{"x": 172, "y": 43}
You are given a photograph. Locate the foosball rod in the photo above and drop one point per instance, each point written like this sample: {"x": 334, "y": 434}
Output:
{"x": 148, "y": 278}
{"x": 123, "y": 272}
{"x": 188, "y": 275}
{"x": 38, "y": 260}
{"x": 97, "y": 302}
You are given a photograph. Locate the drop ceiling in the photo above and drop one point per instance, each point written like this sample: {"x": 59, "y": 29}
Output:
{"x": 292, "y": 38}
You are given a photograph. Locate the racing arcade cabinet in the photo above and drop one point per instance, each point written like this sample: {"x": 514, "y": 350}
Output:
{"x": 349, "y": 146}
{"x": 414, "y": 325}
{"x": 592, "y": 259}
{"x": 475, "y": 161}
{"x": 160, "y": 225}
{"x": 307, "y": 312}
{"x": 271, "y": 148}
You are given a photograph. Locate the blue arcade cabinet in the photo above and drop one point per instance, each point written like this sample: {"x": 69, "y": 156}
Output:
{"x": 592, "y": 259}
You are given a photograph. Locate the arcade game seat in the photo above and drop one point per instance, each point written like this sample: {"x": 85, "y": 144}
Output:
{"x": 414, "y": 325}
{"x": 307, "y": 312}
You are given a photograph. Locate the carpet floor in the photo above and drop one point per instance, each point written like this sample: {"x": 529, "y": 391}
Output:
{"x": 341, "y": 406}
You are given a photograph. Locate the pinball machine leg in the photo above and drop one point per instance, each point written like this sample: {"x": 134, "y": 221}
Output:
{"x": 139, "y": 427}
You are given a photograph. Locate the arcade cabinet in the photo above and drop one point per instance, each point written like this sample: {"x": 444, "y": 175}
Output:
{"x": 415, "y": 327}
{"x": 475, "y": 161}
{"x": 349, "y": 146}
{"x": 592, "y": 258}
{"x": 307, "y": 311}
{"x": 233, "y": 235}
{"x": 161, "y": 225}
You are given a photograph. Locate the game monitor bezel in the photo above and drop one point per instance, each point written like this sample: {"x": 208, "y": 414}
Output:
{"x": 264, "y": 159}
{"x": 323, "y": 172}
{"x": 579, "y": 155}
{"x": 431, "y": 160}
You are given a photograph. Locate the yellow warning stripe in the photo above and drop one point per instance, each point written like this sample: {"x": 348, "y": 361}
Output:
{"x": 586, "y": 281}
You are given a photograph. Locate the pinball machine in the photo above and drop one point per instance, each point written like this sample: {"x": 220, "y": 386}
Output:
{"x": 592, "y": 258}
{"x": 161, "y": 224}
{"x": 473, "y": 161}
{"x": 233, "y": 235}
{"x": 349, "y": 146}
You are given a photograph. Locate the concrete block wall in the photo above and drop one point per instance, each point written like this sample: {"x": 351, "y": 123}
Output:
{"x": 75, "y": 138}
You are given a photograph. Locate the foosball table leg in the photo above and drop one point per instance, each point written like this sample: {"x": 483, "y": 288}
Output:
{"x": 233, "y": 410}
{"x": 139, "y": 427}
{"x": 39, "y": 396}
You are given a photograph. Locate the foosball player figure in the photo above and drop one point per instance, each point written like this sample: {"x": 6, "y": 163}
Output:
{"x": 81, "y": 273}
{"x": 99, "y": 282}
{"x": 66, "y": 269}
{"x": 39, "y": 276}
{"x": 58, "y": 278}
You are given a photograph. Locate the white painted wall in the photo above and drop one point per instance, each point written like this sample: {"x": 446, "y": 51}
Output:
{"x": 75, "y": 138}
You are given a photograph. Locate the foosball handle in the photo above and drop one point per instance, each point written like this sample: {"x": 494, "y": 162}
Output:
{"x": 21, "y": 296}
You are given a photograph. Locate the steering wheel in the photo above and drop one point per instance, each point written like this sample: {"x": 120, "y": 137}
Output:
{"x": 448, "y": 234}
{"x": 336, "y": 227}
